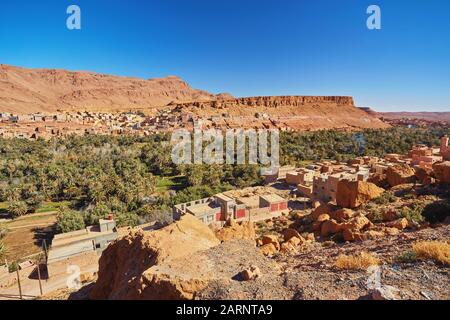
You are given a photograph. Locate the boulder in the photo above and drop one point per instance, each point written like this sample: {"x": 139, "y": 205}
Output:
{"x": 271, "y": 239}
{"x": 357, "y": 223}
{"x": 330, "y": 227}
{"x": 251, "y": 274}
{"x": 351, "y": 235}
{"x": 442, "y": 172}
{"x": 289, "y": 233}
{"x": 390, "y": 231}
{"x": 400, "y": 174}
{"x": 243, "y": 230}
{"x": 268, "y": 249}
{"x": 343, "y": 214}
{"x": 310, "y": 237}
{"x": 323, "y": 217}
{"x": 296, "y": 241}
{"x": 287, "y": 247}
{"x": 390, "y": 215}
{"x": 322, "y": 209}
{"x": 372, "y": 234}
{"x": 399, "y": 224}
{"x": 352, "y": 194}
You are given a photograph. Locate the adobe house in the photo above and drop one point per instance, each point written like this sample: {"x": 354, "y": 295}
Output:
{"x": 220, "y": 208}
{"x": 273, "y": 201}
{"x": 88, "y": 242}
{"x": 303, "y": 176}
{"x": 445, "y": 149}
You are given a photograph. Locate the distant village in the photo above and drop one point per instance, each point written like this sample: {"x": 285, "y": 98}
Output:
{"x": 46, "y": 126}
{"x": 61, "y": 124}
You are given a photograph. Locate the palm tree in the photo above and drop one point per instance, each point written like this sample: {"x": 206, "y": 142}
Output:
{"x": 3, "y": 251}
{"x": 17, "y": 208}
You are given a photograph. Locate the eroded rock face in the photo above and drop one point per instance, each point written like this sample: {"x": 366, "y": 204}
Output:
{"x": 400, "y": 174}
{"x": 352, "y": 194}
{"x": 123, "y": 263}
{"x": 442, "y": 172}
{"x": 47, "y": 90}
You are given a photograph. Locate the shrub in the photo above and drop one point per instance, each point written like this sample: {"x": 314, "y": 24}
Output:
{"x": 162, "y": 215}
{"x": 69, "y": 220}
{"x": 126, "y": 219}
{"x": 413, "y": 212}
{"x": 3, "y": 231}
{"x": 407, "y": 257}
{"x": 386, "y": 198}
{"x": 13, "y": 267}
{"x": 3, "y": 250}
{"x": 356, "y": 262}
{"x": 437, "y": 211}
{"x": 100, "y": 211}
{"x": 17, "y": 209}
{"x": 433, "y": 250}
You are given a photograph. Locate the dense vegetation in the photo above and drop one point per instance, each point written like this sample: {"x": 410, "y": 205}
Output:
{"x": 103, "y": 174}
{"x": 3, "y": 249}
{"x": 99, "y": 175}
{"x": 343, "y": 146}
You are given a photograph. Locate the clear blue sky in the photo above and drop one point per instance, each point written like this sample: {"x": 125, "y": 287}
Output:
{"x": 247, "y": 47}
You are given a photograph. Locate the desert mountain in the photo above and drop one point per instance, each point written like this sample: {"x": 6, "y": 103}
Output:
{"x": 25, "y": 91}
{"x": 47, "y": 90}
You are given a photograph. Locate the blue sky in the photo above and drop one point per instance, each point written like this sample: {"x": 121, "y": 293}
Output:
{"x": 247, "y": 47}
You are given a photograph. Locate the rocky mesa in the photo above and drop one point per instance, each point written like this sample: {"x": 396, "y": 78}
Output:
{"x": 25, "y": 91}
{"x": 297, "y": 113}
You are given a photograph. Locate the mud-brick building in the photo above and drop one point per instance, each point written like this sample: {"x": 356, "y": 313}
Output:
{"x": 93, "y": 239}
{"x": 220, "y": 208}
{"x": 274, "y": 202}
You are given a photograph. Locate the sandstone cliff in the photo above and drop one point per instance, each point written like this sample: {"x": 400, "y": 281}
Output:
{"x": 290, "y": 112}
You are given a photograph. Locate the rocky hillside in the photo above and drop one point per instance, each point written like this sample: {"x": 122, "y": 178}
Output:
{"x": 47, "y": 90}
{"x": 26, "y": 91}
{"x": 283, "y": 258}
{"x": 295, "y": 112}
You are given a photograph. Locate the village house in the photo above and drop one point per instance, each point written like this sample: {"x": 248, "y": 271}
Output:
{"x": 93, "y": 239}
{"x": 219, "y": 208}
{"x": 444, "y": 148}
{"x": 302, "y": 176}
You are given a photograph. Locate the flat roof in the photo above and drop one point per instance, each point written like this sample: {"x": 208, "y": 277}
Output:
{"x": 78, "y": 236}
{"x": 223, "y": 197}
{"x": 201, "y": 209}
{"x": 272, "y": 197}
{"x": 249, "y": 202}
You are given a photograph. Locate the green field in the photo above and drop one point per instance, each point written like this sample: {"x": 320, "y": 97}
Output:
{"x": 51, "y": 206}
{"x": 170, "y": 183}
